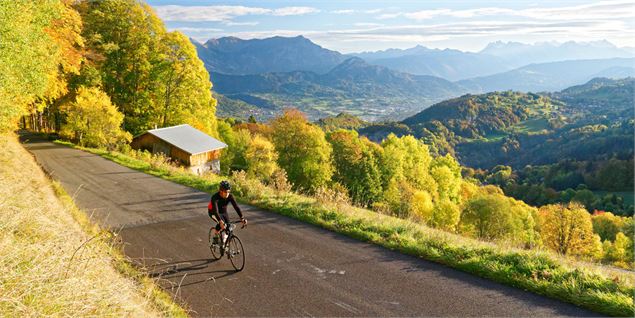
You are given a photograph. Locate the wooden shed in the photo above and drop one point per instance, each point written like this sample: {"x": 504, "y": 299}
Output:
{"x": 184, "y": 144}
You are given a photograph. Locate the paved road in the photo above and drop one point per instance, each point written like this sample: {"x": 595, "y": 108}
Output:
{"x": 292, "y": 269}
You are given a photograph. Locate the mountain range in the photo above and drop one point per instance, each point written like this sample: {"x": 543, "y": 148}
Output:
{"x": 231, "y": 55}
{"x": 371, "y": 91}
{"x": 497, "y": 57}
{"x": 280, "y": 72}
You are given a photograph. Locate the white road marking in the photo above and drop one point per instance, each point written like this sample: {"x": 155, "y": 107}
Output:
{"x": 347, "y": 307}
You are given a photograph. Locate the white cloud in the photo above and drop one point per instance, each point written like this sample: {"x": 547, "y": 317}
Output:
{"x": 194, "y": 30}
{"x": 389, "y": 15}
{"x": 593, "y": 11}
{"x": 294, "y": 11}
{"x": 367, "y": 24}
{"x": 223, "y": 13}
{"x": 348, "y": 11}
{"x": 373, "y": 11}
{"x": 345, "y": 39}
{"x": 351, "y": 11}
{"x": 232, "y": 23}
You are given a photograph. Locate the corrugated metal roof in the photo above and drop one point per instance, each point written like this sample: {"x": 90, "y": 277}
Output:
{"x": 188, "y": 138}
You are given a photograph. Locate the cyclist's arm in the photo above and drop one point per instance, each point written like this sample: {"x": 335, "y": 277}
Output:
{"x": 235, "y": 205}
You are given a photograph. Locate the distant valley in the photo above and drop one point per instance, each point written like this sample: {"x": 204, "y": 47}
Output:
{"x": 261, "y": 77}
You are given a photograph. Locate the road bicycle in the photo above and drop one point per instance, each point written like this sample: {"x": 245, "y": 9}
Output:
{"x": 232, "y": 246}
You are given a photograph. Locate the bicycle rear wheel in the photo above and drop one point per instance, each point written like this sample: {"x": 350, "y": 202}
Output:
{"x": 214, "y": 248}
{"x": 236, "y": 253}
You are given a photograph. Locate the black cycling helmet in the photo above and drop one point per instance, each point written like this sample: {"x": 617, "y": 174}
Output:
{"x": 224, "y": 185}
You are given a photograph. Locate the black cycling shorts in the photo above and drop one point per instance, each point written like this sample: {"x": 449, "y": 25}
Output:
{"x": 225, "y": 218}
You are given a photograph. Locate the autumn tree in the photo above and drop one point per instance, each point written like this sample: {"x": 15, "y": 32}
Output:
{"x": 619, "y": 252}
{"x": 566, "y": 229}
{"x": 182, "y": 89}
{"x": 607, "y": 225}
{"x": 421, "y": 206}
{"x": 261, "y": 157}
{"x": 92, "y": 120}
{"x": 445, "y": 215}
{"x": 152, "y": 75}
{"x": 446, "y": 172}
{"x": 407, "y": 158}
{"x": 45, "y": 47}
{"x": 304, "y": 152}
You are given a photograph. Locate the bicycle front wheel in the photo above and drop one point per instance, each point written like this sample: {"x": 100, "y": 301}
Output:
{"x": 214, "y": 248}
{"x": 236, "y": 253}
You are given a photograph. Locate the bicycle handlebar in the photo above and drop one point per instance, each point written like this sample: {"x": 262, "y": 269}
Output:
{"x": 236, "y": 222}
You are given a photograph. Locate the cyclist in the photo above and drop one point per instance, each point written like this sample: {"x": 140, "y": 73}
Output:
{"x": 217, "y": 209}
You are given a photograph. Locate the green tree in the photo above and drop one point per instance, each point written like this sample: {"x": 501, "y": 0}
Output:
{"x": 93, "y": 121}
{"x": 261, "y": 157}
{"x": 487, "y": 216}
{"x": 242, "y": 140}
{"x": 304, "y": 152}
{"x": 355, "y": 166}
{"x": 226, "y": 134}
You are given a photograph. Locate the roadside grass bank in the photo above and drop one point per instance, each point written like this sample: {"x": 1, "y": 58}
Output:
{"x": 53, "y": 261}
{"x": 602, "y": 289}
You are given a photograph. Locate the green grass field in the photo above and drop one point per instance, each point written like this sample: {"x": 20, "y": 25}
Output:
{"x": 531, "y": 126}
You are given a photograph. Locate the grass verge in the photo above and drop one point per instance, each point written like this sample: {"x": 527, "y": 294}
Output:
{"x": 598, "y": 288}
{"x": 53, "y": 261}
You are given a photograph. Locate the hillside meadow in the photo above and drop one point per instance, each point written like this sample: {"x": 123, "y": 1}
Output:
{"x": 54, "y": 261}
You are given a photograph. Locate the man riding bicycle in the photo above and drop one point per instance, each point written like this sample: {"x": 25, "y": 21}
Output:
{"x": 217, "y": 209}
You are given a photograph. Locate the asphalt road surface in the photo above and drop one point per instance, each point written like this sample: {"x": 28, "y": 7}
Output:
{"x": 292, "y": 268}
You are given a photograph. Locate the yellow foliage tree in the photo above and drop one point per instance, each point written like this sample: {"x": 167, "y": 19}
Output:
{"x": 421, "y": 205}
{"x": 445, "y": 215}
{"x": 607, "y": 225}
{"x": 619, "y": 252}
{"x": 92, "y": 120}
{"x": 566, "y": 229}
{"x": 261, "y": 158}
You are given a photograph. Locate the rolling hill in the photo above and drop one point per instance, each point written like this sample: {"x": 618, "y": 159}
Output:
{"x": 593, "y": 121}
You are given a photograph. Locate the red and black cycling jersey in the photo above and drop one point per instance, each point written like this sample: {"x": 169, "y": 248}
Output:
{"x": 217, "y": 206}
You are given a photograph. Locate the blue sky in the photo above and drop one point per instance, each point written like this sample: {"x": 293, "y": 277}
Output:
{"x": 354, "y": 26}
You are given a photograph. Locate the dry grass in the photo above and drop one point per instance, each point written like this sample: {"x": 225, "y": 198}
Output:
{"x": 49, "y": 266}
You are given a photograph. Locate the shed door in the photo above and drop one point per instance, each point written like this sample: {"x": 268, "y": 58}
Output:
{"x": 160, "y": 147}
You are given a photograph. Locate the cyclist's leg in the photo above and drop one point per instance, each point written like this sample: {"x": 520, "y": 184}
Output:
{"x": 225, "y": 219}
{"x": 213, "y": 217}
